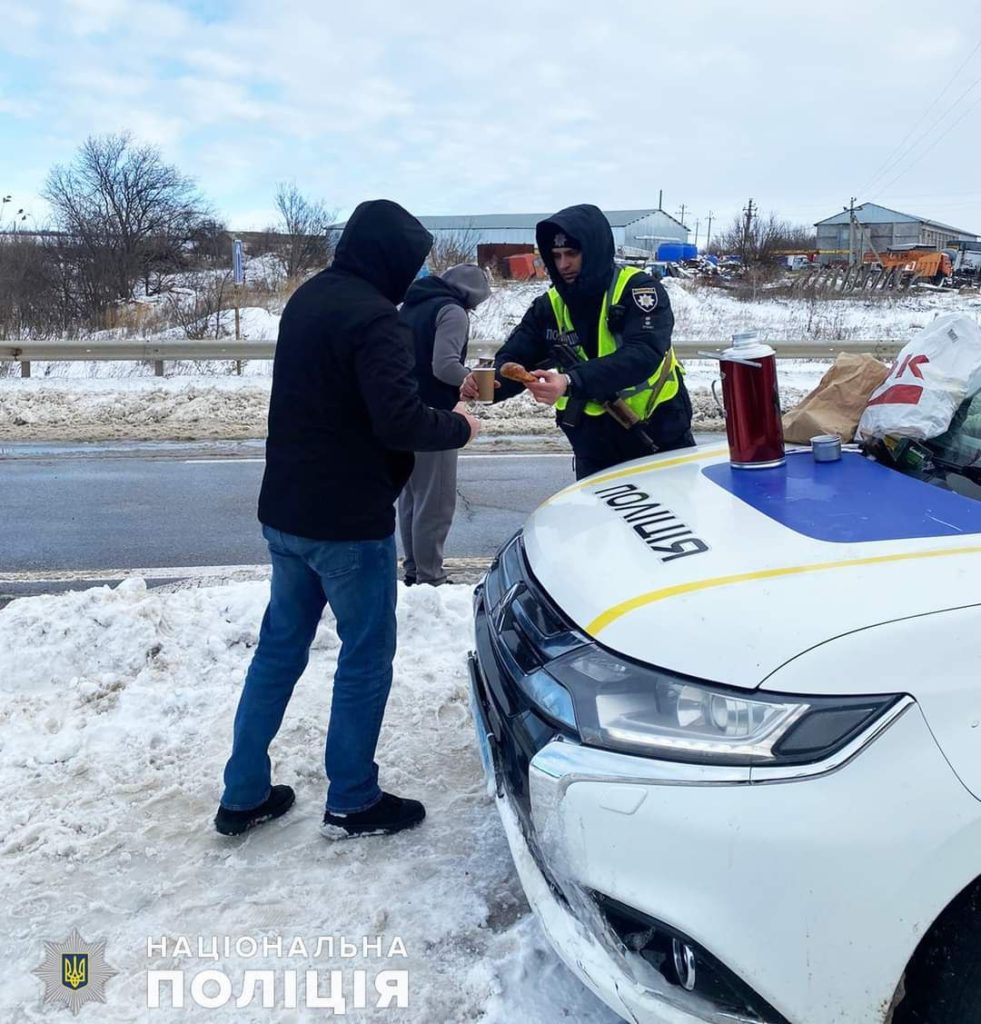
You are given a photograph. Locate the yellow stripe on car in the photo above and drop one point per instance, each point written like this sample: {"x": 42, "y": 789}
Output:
{"x": 624, "y": 607}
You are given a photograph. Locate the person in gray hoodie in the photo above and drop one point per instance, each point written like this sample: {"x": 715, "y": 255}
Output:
{"x": 436, "y": 309}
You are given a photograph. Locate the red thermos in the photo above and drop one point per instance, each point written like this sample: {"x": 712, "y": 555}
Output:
{"x": 752, "y": 403}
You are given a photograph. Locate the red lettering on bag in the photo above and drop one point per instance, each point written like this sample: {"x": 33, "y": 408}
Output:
{"x": 899, "y": 394}
{"x": 913, "y": 364}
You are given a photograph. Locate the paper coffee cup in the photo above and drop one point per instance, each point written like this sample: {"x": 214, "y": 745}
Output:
{"x": 484, "y": 376}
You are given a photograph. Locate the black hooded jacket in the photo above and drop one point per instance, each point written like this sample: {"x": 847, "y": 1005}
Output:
{"x": 345, "y": 413}
{"x": 419, "y": 313}
{"x": 645, "y": 334}
{"x": 584, "y": 297}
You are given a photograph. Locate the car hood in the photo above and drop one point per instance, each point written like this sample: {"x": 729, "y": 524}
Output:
{"x": 683, "y": 562}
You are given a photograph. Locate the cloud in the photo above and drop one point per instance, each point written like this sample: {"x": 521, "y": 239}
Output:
{"x": 514, "y": 106}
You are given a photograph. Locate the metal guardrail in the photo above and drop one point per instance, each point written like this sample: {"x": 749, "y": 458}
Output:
{"x": 26, "y": 352}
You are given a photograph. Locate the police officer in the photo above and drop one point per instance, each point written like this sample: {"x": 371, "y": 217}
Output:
{"x": 620, "y": 321}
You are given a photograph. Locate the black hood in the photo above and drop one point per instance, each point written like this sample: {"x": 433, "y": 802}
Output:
{"x": 384, "y": 244}
{"x": 591, "y": 229}
{"x": 430, "y": 288}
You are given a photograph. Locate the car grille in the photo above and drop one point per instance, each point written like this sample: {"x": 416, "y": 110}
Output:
{"x": 518, "y": 629}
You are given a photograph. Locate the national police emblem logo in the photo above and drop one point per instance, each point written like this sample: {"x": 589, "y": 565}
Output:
{"x": 75, "y": 969}
{"x": 74, "y": 972}
{"x": 646, "y": 298}
{"x": 560, "y": 241}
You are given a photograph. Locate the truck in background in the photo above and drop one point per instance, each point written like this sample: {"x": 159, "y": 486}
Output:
{"x": 914, "y": 263}
{"x": 965, "y": 259}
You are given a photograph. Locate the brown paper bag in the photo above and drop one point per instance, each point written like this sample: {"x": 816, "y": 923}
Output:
{"x": 835, "y": 406}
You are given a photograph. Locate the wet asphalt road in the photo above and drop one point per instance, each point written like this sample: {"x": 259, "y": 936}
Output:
{"x": 77, "y": 507}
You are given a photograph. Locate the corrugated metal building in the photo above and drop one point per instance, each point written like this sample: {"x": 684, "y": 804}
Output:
{"x": 879, "y": 229}
{"x": 643, "y": 230}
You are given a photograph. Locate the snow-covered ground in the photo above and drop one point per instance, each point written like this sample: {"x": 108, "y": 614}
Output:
{"x": 710, "y": 313}
{"x": 117, "y": 707}
{"x": 111, "y": 401}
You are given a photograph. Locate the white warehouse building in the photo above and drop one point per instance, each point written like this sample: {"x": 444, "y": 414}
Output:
{"x": 878, "y": 227}
{"x": 634, "y": 231}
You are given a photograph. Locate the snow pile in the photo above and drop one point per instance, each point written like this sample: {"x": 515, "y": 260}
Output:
{"x": 184, "y": 408}
{"x": 494, "y": 319}
{"x": 203, "y": 401}
{"x": 117, "y": 708}
{"x": 235, "y": 408}
{"x": 156, "y": 408}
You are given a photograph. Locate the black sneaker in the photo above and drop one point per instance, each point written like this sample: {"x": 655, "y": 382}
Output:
{"x": 391, "y": 814}
{"x": 409, "y": 581}
{"x": 234, "y": 823}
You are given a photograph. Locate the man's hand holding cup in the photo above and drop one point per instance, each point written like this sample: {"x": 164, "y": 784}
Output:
{"x": 479, "y": 385}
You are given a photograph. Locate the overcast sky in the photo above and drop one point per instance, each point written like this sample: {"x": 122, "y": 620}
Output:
{"x": 469, "y": 108}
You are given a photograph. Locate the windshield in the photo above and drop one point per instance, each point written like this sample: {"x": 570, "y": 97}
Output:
{"x": 951, "y": 461}
{"x": 960, "y": 447}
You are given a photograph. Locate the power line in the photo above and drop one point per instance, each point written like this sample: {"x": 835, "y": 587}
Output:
{"x": 885, "y": 164}
{"x": 935, "y": 142}
{"x": 924, "y": 135}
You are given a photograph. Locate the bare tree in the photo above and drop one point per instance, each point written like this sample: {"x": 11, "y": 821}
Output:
{"x": 128, "y": 214}
{"x": 758, "y": 240}
{"x": 210, "y": 244}
{"x": 29, "y": 304}
{"x": 301, "y": 240}
{"x": 453, "y": 247}
{"x": 201, "y": 315}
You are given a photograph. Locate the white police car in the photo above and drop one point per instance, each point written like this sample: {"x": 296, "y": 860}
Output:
{"x": 734, "y": 719}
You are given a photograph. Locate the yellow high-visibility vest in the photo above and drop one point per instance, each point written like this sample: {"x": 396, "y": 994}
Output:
{"x": 643, "y": 398}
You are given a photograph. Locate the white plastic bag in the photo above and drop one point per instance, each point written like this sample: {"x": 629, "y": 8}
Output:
{"x": 932, "y": 375}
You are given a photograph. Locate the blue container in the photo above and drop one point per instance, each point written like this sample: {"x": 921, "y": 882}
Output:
{"x": 676, "y": 252}
{"x": 671, "y": 252}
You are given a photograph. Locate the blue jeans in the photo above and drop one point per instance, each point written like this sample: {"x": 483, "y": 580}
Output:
{"x": 357, "y": 579}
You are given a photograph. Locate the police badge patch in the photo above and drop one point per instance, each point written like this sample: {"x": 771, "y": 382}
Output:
{"x": 74, "y": 972}
{"x": 646, "y": 298}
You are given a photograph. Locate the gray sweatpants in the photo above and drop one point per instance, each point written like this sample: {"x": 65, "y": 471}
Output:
{"x": 426, "y": 508}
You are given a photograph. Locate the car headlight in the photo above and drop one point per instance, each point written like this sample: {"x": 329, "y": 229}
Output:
{"x": 621, "y": 705}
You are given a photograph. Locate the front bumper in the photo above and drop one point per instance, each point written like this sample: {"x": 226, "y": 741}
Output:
{"x": 812, "y": 893}
{"x": 570, "y": 918}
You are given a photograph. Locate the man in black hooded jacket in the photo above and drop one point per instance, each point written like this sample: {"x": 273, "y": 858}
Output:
{"x": 621, "y": 321}
{"x": 344, "y": 419}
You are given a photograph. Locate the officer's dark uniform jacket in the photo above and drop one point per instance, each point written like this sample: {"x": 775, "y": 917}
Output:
{"x": 637, "y": 364}
{"x": 345, "y": 414}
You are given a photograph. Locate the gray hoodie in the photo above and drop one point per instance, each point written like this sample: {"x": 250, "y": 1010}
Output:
{"x": 469, "y": 282}
{"x": 453, "y": 323}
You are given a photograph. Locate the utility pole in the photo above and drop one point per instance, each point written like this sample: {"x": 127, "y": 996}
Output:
{"x": 851, "y": 231}
{"x": 708, "y": 233}
{"x": 681, "y": 212}
{"x": 697, "y": 222}
{"x": 747, "y": 227}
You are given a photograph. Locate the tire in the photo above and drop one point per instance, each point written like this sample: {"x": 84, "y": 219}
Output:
{"x": 943, "y": 981}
